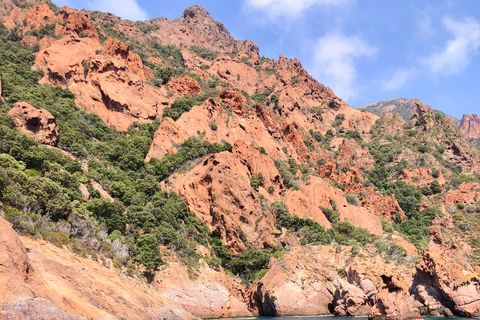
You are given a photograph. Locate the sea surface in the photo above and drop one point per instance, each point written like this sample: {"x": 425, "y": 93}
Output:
{"x": 339, "y": 318}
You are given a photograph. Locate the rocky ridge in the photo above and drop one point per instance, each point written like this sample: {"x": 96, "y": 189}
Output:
{"x": 468, "y": 125}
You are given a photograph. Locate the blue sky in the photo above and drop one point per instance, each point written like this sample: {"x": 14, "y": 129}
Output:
{"x": 365, "y": 50}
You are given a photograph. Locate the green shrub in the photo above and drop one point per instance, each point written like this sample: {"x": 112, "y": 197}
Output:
{"x": 256, "y": 182}
{"x": 178, "y": 107}
{"x": 426, "y": 190}
{"x": 435, "y": 187}
{"x": 204, "y": 53}
{"x": 251, "y": 262}
{"x": 352, "y": 199}
{"x": 147, "y": 252}
{"x": 330, "y": 214}
{"x": 290, "y": 180}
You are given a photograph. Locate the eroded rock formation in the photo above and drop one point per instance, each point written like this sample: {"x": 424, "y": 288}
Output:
{"x": 36, "y": 123}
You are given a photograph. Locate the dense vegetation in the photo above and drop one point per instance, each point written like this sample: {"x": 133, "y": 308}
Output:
{"x": 39, "y": 187}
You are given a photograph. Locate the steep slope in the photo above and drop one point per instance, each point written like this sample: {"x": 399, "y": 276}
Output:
{"x": 226, "y": 181}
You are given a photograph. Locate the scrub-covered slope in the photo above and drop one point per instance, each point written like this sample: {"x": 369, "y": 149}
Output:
{"x": 168, "y": 156}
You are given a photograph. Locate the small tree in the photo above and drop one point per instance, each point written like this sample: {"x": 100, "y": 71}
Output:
{"x": 147, "y": 252}
{"x": 426, "y": 190}
{"x": 435, "y": 186}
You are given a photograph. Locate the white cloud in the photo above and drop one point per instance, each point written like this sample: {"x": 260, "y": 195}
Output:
{"x": 398, "y": 80}
{"x": 458, "y": 52}
{"x": 334, "y": 62}
{"x": 290, "y": 8}
{"x": 126, "y": 9}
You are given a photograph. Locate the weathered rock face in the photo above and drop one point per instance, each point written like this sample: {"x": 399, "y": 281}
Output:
{"x": 218, "y": 191}
{"x": 211, "y": 295}
{"x": 253, "y": 129}
{"x": 235, "y": 72}
{"x": 466, "y": 193}
{"x": 319, "y": 193}
{"x": 36, "y": 308}
{"x": 315, "y": 280}
{"x": 351, "y": 152}
{"x": 115, "y": 48}
{"x": 423, "y": 116}
{"x": 165, "y": 139}
{"x": 16, "y": 272}
{"x": 104, "y": 85}
{"x": 446, "y": 274}
{"x": 184, "y": 85}
{"x": 36, "y": 123}
{"x": 235, "y": 100}
{"x": 420, "y": 177}
{"x": 78, "y": 21}
{"x": 470, "y": 126}
{"x": 196, "y": 28}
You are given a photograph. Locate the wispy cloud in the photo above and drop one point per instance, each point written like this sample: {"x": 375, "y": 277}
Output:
{"x": 399, "y": 79}
{"x": 459, "y": 51}
{"x": 126, "y": 9}
{"x": 335, "y": 55}
{"x": 290, "y": 8}
{"x": 452, "y": 58}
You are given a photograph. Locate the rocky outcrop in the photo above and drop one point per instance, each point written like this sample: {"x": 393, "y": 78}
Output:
{"x": 78, "y": 21}
{"x": 184, "y": 85}
{"x": 117, "y": 49}
{"x": 36, "y": 16}
{"x": 470, "y": 126}
{"x": 420, "y": 177}
{"x": 204, "y": 292}
{"x": 235, "y": 100}
{"x": 233, "y": 71}
{"x": 196, "y": 28}
{"x": 16, "y": 271}
{"x": 230, "y": 127}
{"x": 315, "y": 280}
{"x": 36, "y": 123}
{"x": 218, "y": 191}
{"x": 467, "y": 193}
{"x": 444, "y": 273}
{"x": 104, "y": 85}
{"x": 423, "y": 117}
{"x": 351, "y": 152}
{"x": 319, "y": 193}
{"x": 168, "y": 135}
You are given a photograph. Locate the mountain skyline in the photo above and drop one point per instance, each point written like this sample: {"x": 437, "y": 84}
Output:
{"x": 365, "y": 51}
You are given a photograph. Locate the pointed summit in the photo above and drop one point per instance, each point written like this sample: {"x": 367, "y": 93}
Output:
{"x": 195, "y": 13}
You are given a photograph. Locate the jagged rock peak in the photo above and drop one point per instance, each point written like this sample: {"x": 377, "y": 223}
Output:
{"x": 195, "y": 11}
{"x": 470, "y": 126}
{"x": 421, "y": 109}
{"x": 198, "y": 16}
